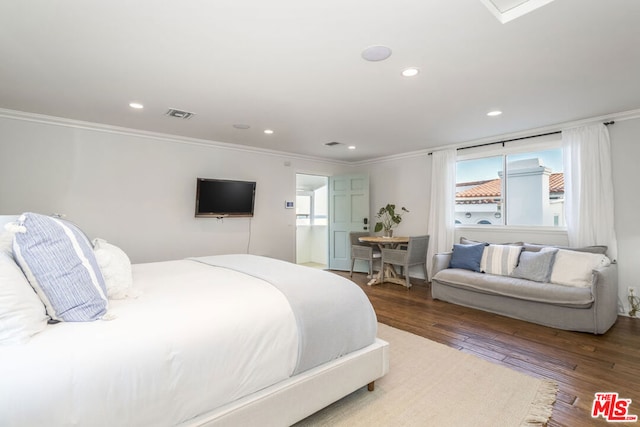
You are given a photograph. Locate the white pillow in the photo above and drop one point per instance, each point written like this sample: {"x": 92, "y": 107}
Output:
{"x": 8, "y": 228}
{"x": 116, "y": 269}
{"x": 58, "y": 260}
{"x": 22, "y": 313}
{"x": 6, "y": 242}
{"x": 573, "y": 268}
{"x": 500, "y": 259}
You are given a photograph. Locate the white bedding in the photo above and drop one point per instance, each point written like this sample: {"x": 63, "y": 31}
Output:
{"x": 164, "y": 359}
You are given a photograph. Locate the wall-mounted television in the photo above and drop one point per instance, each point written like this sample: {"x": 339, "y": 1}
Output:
{"x": 223, "y": 198}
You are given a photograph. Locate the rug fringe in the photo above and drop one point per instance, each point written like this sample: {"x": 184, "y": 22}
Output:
{"x": 542, "y": 405}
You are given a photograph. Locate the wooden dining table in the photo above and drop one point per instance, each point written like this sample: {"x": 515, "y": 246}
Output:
{"x": 387, "y": 273}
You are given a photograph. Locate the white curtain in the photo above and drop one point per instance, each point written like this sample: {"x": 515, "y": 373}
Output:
{"x": 589, "y": 187}
{"x": 442, "y": 208}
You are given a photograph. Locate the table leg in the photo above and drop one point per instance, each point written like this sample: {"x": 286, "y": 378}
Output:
{"x": 378, "y": 278}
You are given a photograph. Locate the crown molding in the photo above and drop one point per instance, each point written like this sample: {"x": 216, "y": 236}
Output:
{"x": 99, "y": 127}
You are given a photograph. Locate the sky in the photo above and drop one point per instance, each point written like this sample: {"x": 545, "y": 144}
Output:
{"x": 488, "y": 167}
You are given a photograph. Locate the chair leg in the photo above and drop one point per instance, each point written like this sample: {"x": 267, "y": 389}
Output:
{"x": 406, "y": 276}
{"x": 426, "y": 275}
{"x": 353, "y": 261}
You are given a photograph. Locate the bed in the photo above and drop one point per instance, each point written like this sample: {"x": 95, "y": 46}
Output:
{"x": 220, "y": 340}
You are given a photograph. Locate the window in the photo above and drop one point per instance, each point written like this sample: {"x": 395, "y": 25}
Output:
{"x": 303, "y": 209}
{"x": 311, "y": 207}
{"x": 524, "y": 187}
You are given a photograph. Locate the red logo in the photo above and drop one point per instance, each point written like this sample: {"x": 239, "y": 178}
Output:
{"x": 612, "y": 408}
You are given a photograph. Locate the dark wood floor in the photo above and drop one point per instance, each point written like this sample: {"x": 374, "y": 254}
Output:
{"x": 582, "y": 364}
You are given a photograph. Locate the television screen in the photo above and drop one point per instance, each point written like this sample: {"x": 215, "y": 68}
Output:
{"x": 219, "y": 197}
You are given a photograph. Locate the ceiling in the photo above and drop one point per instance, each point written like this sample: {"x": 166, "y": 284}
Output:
{"x": 296, "y": 67}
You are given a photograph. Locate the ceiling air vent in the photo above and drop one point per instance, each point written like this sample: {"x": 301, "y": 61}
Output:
{"x": 332, "y": 143}
{"x": 180, "y": 114}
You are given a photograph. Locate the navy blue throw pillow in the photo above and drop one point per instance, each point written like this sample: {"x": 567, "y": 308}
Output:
{"x": 467, "y": 256}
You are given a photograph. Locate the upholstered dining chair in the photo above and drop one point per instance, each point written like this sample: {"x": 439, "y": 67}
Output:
{"x": 414, "y": 253}
{"x": 363, "y": 251}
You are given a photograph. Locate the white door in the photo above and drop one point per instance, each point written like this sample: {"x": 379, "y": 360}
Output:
{"x": 348, "y": 211}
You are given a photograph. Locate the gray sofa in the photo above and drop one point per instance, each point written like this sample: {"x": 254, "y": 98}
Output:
{"x": 586, "y": 309}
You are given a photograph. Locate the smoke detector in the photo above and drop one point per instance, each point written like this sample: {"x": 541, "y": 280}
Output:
{"x": 180, "y": 114}
{"x": 331, "y": 144}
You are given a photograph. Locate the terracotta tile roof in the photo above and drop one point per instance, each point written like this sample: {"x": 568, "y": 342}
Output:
{"x": 486, "y": 189}
{"x": 491, "y": 188}
{"x": 556, "y": 183}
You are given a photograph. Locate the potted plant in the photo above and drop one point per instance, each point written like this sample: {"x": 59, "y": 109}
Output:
{"x": 389, "y": 218}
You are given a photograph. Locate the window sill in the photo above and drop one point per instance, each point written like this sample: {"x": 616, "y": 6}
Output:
{"x": 512, "y": 228}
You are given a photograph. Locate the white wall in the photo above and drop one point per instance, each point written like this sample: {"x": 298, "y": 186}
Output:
{"x": 404, "y": 181}
{"x": 138, "y": 191}
{"x": 625, "y": 152}
{"x": 312, "y": 244}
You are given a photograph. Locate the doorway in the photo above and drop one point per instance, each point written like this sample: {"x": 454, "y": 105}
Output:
{"x": 312, "y": 212}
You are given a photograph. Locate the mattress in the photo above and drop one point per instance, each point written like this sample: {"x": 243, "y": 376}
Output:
{"x": 198, "y": 337}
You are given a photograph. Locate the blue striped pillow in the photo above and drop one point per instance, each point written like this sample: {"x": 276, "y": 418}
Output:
{"x": 58, "y": 260}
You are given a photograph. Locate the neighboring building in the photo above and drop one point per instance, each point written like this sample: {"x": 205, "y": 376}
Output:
{"x": 535, "y": 197}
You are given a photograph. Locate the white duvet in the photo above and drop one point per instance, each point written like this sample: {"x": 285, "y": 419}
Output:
{"x": 198, "y": 337}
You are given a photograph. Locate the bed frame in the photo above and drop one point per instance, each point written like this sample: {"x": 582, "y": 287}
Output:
{"x": 294, "y": 399}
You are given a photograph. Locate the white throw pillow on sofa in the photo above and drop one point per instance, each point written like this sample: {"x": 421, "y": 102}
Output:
{"x": 573, "y": 268}
{"x": 116, "y": 269}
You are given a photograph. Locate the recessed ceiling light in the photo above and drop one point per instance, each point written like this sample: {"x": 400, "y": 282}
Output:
{"x": 376, "y": 53}
{"x": 351, "y": 147}
{"x": 410, "y": 72}
{"x": 268, "y": 131}
{"x": 136, "y": 105}
{"x": 241, "y": 126}
{"x": 494, "y": 113}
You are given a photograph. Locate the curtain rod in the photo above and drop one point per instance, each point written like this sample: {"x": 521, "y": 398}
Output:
{"x": 518, "y": 139}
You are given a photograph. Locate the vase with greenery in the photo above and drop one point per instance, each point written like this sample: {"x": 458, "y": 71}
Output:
{"x": 389, "y": 218}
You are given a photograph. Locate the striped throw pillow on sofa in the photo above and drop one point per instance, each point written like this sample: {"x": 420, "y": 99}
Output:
{"x": 500, "y": 259}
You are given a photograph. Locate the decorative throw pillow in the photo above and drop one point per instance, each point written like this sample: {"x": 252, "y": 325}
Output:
{"x": 6, "y": 242}
{"x": 116, "y": 269}
{"x": 465, "y": 241}
{"x": 536, "y": 266}
{"x": 59, "y": 263}
{"x": 8, "y": 228}
{"x": 500, "y": 259}
{"x": 467, "y": 256}
{"x": 573, "y": 268}
{"x": 21, "y": 311}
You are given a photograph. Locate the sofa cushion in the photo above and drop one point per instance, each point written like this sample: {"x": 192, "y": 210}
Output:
{"x": 536, "y": 266}
{"x": 516, "y": 288}
{"x": 465, "y": 241}
{"x": 536, "y": 247}
{"x": 572, "y": 268}
{"x": 500, "y": 259}
{"x": 467, "y": 256}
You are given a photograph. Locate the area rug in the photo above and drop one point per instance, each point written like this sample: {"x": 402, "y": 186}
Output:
{"x": 430, "y": 384}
